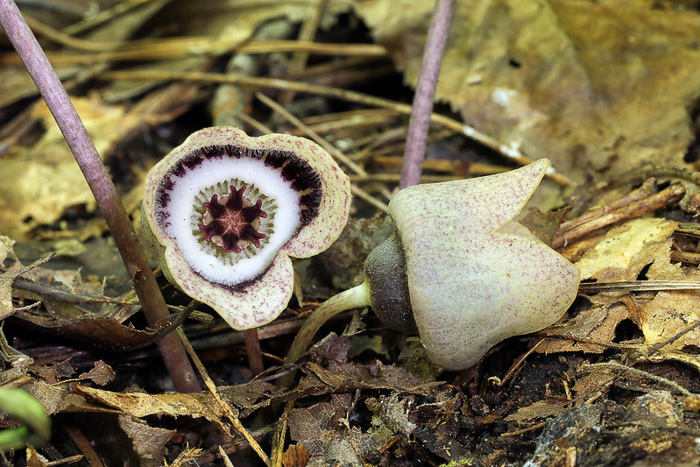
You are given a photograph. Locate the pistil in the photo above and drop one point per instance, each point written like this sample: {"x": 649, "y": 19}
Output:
{"x": 232, "y": 222}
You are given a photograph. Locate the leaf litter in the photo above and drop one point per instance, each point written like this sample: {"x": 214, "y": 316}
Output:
{"x": 607, "y": 90}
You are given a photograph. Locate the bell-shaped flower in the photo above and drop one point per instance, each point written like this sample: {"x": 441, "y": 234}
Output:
{"x": 476, "y": 276}
{"x": 460, "y": 270}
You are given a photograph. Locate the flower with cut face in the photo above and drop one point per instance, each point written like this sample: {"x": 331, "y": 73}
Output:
{"x": 226, "y": 212}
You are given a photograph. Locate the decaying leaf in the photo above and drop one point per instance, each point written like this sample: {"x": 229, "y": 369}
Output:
{"x": 595, "y": 324}
{"x": 101, "y": 374}
{"x": 148, "y": 442}
{"x": 6, "y": 280}
{"x": 295, "y": 456}
{"x": 529, "y": 73}
{"x": 38, "y": 183}
{"x": 139, "y": 404}
{"x": 538, "y": 410}
{"x": 629, "y": 248}
{"x": 315, "y": 426}
{"x": 667, "y": 315}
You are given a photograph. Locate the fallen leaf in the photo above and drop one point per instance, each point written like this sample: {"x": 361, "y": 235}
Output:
{"x": 668, "y": 314}
{"x": 315, "y": 426}
{"x": 629, "y": 248}
{"x": 597, "y": 323}
{"x": 148, "y": 442}
{"x": 37, "y": 184}
{"x": 586, "y": 84}
{"x": 6, "y": 280}
{"x": 540, "y": 409}
{"x": 101, "y": 374}
{"x": 141, "y": 405}
{"x": 295, "y": 456}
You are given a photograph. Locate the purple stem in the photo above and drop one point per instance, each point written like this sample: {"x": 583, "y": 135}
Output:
{"x": 103, "y": 190}
{"x": 425, "y": 93}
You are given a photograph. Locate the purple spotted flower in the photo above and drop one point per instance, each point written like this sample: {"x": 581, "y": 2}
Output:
{"x": 227, "y": 211}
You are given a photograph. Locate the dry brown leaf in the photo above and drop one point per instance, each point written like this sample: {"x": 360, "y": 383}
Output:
{"x": 104, "y": 333}
{"x": 596, "y": 86}
{"x": 295, "y": 456}
{"x": 38, "y": 183}
{"x": 148, "y": 442}
{"x": 101, "y": 374}
{"x": 628, "y": 248}
{"x": 57, "y": 398}
{"x": 6, "y": 280}
{"x": 315, "y": 426}
{"x": 668, "y": 314}
{"x": 597, "y": 324}
{"x": 140, "y": 405}
{"x": 592, "y": 385}
{"x": 539, "y": 409}
{"x": 249, "y": 397}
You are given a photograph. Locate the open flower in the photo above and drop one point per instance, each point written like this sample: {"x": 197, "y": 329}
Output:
{"x": 227, "y": 210}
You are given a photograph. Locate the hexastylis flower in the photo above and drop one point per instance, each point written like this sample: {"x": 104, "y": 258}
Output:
{"x": 460, "y": 270}
{"x": 226, "y": 212}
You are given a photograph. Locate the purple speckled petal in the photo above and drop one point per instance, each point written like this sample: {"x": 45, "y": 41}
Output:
{"x": 324, "y": 205}
{"x": 476, "y": 276}
{"x": 257, "y": 303}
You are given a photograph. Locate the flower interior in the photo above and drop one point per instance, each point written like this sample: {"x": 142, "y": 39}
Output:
{"x": 230, "y": 209}
{"x": 232, "y": 222}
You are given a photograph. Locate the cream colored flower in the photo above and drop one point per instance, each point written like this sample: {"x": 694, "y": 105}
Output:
{"x": 475, "y": 275}
{"x": 227, "y": 211}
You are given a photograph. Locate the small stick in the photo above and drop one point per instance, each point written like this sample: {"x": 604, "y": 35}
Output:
{"x": 686, "y": 257}
{"x": 102, "y": 188}
{"x": 638, "y": 286}
{"x": 667, "y": 197}
{"x": 209, "y": 383}
{"x": 659, "y": 345}
{"x": 644, "y": 191}
{"x": 252, "y": 348}
{"x": 307, "y": 33}
{"x": 335, "y": 152}
{"x": 425, "y": 93}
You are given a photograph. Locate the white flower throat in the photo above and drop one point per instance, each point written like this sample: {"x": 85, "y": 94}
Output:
{"x": 215, "y": 176}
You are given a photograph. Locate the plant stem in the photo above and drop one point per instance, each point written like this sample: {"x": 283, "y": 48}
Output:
{"x": 105, "y": 194}
{"x": 425, "y": 93}
{"x": 356, "y": 297}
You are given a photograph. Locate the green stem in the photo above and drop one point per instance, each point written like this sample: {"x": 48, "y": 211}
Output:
{"x": 356, "y": 297}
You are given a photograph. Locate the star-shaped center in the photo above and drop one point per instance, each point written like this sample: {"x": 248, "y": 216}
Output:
{"x": 232, "y": 222}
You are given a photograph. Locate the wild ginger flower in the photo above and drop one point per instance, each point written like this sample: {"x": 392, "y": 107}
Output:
{"x": 460, "y": 270}
{"x": 226, "y": 212}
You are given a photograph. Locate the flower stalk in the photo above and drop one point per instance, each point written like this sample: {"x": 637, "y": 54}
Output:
{"x": 356, "y": 297}
{"x": 103, "y": 189}
{"x": 425, "y": 93}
